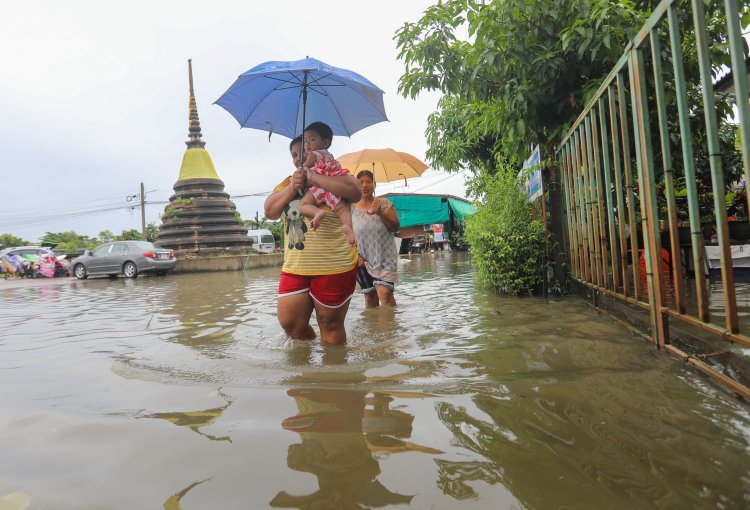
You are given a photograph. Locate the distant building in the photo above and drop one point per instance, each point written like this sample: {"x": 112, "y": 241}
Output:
{"x": 200, "y": 219}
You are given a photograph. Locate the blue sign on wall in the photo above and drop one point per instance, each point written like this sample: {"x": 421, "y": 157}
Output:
{"x": 531, "y": 176}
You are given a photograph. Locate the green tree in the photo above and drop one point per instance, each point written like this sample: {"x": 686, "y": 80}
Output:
{"x": 68, "y": 241}
{"x": 525, "y": 69}
{"x": 152, "y": 232}
{"x": 106, "y": 236}
{"x": 130, "y": 235}
{"x": 516, "y": 73}
{"x": 8, "y": 241}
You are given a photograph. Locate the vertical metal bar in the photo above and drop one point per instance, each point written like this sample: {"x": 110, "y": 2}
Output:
{"x": 717, "y": 173}
{"x": 569, "y": 215}
{"x": 688, "y": 161}
{"x": 576, "y": 192}
{"x": 583, "y": 198}
{"x": 674, "y": 233}
{"x": 581, "y": 207}
{"x": 595, "y": 144}
{"x": 739, "y": 70}
{"x": 593, "y": 203}
{"x": 608, "y": 193}
{"x": 618, "y": 192}
{"x": 649, "y": 207}
{"x": 627, "y": 158}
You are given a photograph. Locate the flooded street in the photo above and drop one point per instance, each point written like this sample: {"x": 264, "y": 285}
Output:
{"x": 183, "y": 392}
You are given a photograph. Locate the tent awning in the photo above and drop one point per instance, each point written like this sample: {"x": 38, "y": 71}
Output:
{"x": 415, "y": 210}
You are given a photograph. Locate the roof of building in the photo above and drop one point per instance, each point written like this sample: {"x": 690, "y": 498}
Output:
{"x": 725, "y": 84}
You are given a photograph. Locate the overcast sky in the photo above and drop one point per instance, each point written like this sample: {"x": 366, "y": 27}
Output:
{"x": 94, "y": 95}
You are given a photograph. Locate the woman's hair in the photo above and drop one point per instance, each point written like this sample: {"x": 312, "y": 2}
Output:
{"x": 323, "y": 129}
{"x": 362, "y": 173}
{"x": 294, "y": 142}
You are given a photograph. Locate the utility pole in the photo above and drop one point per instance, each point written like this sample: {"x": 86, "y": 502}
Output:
{"x": 143, "y": 213}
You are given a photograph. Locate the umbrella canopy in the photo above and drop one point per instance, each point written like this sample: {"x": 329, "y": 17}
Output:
{"x": 282, "y": 97}
{"x": 385, "y": 164}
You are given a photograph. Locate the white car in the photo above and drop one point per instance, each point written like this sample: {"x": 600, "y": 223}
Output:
{"x": 263, "y": 241}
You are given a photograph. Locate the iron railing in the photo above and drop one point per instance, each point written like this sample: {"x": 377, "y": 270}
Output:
{"x": 611, "y": 170}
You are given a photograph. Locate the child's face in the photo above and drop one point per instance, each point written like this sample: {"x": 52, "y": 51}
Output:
{"x": 314, "y": 142}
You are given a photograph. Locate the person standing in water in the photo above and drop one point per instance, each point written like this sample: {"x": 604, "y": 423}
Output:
{"x": 320, "y": 277}
{"x": 375, "y": 222}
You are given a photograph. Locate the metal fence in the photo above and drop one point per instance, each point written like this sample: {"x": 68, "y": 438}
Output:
{"x": 621, "y": 162}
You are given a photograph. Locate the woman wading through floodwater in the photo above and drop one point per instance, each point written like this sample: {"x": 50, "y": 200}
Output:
{"x": 375, "y": 221}
{"x": 321, "y": 274}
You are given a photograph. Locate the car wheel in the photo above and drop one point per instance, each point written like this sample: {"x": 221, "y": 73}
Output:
{"x": 80, "y": 272}
{"x": 130, "y": 270}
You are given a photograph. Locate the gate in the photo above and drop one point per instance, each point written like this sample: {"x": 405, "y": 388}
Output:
{"x": 618, "y": 166}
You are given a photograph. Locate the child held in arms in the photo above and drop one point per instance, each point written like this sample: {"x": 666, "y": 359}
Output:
{"x": 318, "y": 137}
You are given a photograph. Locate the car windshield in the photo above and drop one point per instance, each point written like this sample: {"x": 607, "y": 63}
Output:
{"x": 266, "y": 239}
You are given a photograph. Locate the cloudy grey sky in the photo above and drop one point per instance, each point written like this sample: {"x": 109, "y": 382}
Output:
{"x": 94, "y": 95}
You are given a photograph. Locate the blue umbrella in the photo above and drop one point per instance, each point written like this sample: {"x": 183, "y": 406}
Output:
{"x": 278, "y": 97}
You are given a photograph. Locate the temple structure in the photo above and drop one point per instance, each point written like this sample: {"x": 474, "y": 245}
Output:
{"x": 200, "y": 219}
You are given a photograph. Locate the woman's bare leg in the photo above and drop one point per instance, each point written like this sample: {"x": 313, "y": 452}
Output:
{"x": 294, "y": 315}
{"x": 372, "y": 300}
{"x": 331, "y": 323}
{"x": 385, "y": 295}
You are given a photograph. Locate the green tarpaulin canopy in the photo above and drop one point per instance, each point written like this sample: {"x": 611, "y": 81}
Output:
{"x": 415, "y": 210}
{"x": 461, "y": 208}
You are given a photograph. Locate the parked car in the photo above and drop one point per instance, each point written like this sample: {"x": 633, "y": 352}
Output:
{"x": 129, "y": 258}
{"x": 27, "y": 250}
{"x": 263, "y": 241}
{"x": 32, "y": 261}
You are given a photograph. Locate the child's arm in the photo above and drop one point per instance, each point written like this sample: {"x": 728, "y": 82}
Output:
{"x": 345, "y": 186}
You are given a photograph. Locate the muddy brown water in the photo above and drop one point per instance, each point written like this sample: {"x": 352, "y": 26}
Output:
{"x": 183, "y": 392}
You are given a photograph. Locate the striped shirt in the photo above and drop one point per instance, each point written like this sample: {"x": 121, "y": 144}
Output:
{"x": 326, "y": 249}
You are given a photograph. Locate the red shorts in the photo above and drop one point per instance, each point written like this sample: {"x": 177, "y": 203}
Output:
{"x": 331, "y": 290}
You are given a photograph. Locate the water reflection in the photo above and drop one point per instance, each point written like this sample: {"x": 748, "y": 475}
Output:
{"x": 337, "y": 434}
{"x": 173, "y": 502}
{"x": 195, "y": 420}
{"x": 208, "y": 315}
{"x": 458, "y": 398}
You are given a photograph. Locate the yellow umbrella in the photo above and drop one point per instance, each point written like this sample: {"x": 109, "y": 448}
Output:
{"x": 385, "y": 164}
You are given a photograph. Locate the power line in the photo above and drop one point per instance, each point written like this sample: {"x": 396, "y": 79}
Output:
{"x": 48, "y": 216}
{"x": 57, "y": 217}
{"x": 441, "y": 180}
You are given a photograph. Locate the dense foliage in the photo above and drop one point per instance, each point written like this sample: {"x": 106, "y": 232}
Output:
{"x": 516, "y": 73}
{"x": 524, "y": 70}
{"x": 8, "y": 241}
{"x": 506, "y": 243}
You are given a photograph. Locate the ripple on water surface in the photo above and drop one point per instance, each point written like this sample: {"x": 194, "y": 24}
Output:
{"x": 456, "y": 398}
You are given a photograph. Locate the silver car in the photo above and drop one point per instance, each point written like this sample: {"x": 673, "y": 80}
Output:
{"x": 27, "y": 250}
{"x": 129, "y": 258}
